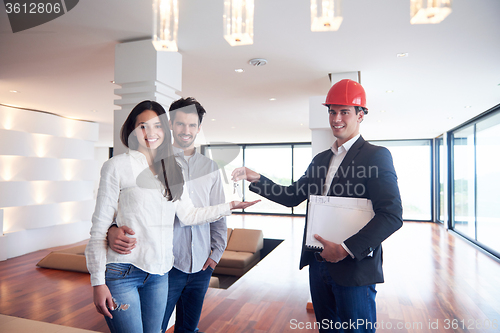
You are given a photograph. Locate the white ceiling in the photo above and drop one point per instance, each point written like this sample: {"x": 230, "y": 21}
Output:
{"x": 452, "y": 72}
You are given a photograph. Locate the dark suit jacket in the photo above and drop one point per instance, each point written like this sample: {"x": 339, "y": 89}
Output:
{"x": 367, "y": 171}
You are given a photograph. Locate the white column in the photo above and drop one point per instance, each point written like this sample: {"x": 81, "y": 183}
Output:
{"x": 143, "y": 74}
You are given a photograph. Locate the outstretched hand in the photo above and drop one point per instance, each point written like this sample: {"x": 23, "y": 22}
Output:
{"x": 242, "y": 204}
{"x": 332, "y": 252}
{"x": 246, "y": 174}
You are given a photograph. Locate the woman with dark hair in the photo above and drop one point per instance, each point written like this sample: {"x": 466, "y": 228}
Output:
{"x": 142, "y": 189}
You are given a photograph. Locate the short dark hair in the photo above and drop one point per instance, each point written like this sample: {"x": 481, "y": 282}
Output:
{"x": 360, "y": 108}
{"x": 169, "y": 172}
{"x": 182, "y": 103}
{"x": 357, "y": 108}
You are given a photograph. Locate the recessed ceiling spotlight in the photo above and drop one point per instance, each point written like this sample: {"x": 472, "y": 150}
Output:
{"x": 94, "y": 110}
{"x": 272, "y": 99}
{"x": 389, "y": 91}
{"x": 213, "y": 119}
{"x": 239, "y": 70}
{"x": 13, "y": 91}
{"x": 449, "y": 118}
{"x": 112, "y": 81}
{"x": 468, "y": 106}
{"x": 257, "y": 62}
{"x": 382, "y": 111}
{"x": 402, "y": 55}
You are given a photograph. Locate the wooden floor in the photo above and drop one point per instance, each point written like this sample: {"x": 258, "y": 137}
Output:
{"x": 435, "y": 282}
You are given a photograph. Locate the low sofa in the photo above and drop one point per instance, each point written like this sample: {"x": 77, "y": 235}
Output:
{"x": 73, "y": 259}
{"x": 242, "y": 251}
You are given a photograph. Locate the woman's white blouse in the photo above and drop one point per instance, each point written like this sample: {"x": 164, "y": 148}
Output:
{"x": 130, "y": 194}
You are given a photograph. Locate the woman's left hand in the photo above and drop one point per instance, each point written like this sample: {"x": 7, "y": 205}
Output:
{"x": 242, "y": 204}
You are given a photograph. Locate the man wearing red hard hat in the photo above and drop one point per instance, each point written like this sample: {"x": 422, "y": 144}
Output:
{"x": 342, "y": 277}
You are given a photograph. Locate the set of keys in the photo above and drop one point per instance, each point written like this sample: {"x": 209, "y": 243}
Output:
{"x": 237, "y": 190}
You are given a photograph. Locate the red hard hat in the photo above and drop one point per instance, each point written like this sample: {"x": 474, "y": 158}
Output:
{"x": 346, "y": 92}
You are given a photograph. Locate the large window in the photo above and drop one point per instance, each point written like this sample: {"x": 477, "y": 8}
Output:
{"x": 463, "y": 182}
{"x": 412, "y": 161}
{"x": 440, "y": 168}
{"x": 476, "y": 180}
{"x": 283, "y": 163}
{"x": 488, "y": 181}
{"x": 228, "y": 158}
{"x": 274, "y": 162}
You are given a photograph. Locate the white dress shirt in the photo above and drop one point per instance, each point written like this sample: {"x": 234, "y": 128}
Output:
{"x": 339, "y": 154}
{"x": 130, "y": 194}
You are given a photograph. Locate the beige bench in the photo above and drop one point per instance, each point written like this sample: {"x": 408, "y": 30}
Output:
{"x": 242, "y": 251}
{"x": 71, "y": 259}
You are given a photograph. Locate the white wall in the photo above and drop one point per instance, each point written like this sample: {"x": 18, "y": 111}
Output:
{"x": 47, "y": 180}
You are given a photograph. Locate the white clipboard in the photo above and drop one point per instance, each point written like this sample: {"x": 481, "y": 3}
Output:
{"x": 335, "y": 218}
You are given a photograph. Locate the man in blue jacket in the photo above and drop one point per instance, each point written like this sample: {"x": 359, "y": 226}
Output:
{"x": 342, "y": 277}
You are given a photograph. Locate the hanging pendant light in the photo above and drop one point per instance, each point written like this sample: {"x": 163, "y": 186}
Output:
{"x": 165, "y": 25}
{"x": 238, "y": 22}
{"x": 429, "y": 11}
{"x": 326, "y": 15}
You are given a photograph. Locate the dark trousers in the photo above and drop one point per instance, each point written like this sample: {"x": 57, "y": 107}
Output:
{"x": 187, "y": 291}
{"x": 338, "y": 308}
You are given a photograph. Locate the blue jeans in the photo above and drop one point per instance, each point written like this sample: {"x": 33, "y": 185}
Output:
{"x": 140, "y": 299}
{"x": 338, "y": 308}
{"x": 188, "y": 292}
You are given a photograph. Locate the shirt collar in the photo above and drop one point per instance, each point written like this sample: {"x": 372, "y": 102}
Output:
{"x": 137, "y": 155}
{"x": 180, "y": 152}
{"x": 346, "y": 146}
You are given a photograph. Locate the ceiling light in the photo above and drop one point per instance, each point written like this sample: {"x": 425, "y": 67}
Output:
{"x": 468, "y": 106}
{"x": 326, "y": 15}
{"x": 383, "y": 111}
{"x": 389, "y": 91}
{"x": 213, "y": 119}
{"x": 257, "y": 62}
{"x": 238, "y": 22}
{"x": 94, "y": 110}
{"x": 239, "y": 70}
{"x": 165, "y": 25}
{"x": 402, "y": 55}
{"x": 450, "y": 118}
{"x": 13, "y": 91}
{"x": 272, "y": 99}
{"x": 426, "y": 11}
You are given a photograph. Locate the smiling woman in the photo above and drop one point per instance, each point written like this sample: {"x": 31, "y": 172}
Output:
{"x": 149, "y": 132}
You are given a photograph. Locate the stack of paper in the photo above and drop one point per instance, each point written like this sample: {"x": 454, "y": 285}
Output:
{"x": 336, "y": 218}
